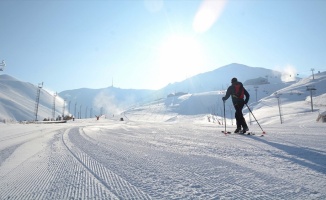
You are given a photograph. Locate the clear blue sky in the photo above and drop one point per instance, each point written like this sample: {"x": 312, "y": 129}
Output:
{"x": 146, "y": 44}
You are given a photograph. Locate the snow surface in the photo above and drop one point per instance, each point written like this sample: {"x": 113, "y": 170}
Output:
{"x": 112, "y": 159}
{"x": 172, "y": 149}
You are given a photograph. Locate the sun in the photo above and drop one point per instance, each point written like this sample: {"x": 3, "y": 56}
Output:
{"x": 180, "y": 57}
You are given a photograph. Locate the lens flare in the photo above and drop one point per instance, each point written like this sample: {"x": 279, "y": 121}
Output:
{"x": 207, "y": 15}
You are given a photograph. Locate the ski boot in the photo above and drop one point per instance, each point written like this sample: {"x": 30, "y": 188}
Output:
{"x": 245, "y": 129}
{"x": 238, "y": 130}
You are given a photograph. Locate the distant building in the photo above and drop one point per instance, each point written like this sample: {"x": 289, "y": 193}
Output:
{"x": 256, "y": 81}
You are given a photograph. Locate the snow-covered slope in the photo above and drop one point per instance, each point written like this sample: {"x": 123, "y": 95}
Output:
{"x": 18, "y": 100}
{"x": 220, "y": 78}
{"x": 113, "y": 100}
{"x": 294, "y": 102}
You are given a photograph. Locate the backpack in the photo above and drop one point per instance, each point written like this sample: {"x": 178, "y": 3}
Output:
{"x": 238, "y": 91}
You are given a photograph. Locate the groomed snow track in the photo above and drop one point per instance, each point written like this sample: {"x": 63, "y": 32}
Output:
{"x": 120, "y": 188}
{"x": 159, "y": 161}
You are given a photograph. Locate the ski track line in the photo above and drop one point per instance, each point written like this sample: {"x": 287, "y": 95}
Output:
{"x": 121, "y": 188}
{"x": 39, "y": 132}
{"x": 151, "y": 172}
{"x": 51, "y": 173}
{"x": 72, "y": 180}
{"x": 77, "y": 166}
{"x": 16, "y": 136}
{"x": 5, "y": 153}
{"x": 28, "y": 174}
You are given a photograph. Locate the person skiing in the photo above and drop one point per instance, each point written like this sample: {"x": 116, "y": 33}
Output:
{"x": 237, "y": 91}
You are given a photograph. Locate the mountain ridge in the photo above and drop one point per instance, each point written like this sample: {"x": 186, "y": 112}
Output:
{"x": 86, "y": 102}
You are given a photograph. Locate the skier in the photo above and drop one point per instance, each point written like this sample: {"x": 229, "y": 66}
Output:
{"x": 238, "y": 92}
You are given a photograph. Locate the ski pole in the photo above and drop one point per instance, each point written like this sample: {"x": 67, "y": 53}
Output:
{"x": 224, "y": 118}
{"x": 255, "y": 119}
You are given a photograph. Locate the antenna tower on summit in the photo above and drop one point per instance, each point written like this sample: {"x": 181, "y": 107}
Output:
{"x": 2, "y": 65}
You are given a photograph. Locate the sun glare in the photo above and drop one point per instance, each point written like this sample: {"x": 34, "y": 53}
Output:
{"x": 179, "y": 58}
{"x": 207, "y": 15}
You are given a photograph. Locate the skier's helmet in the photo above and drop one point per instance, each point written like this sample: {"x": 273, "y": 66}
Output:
{"x": 234, "y": 80}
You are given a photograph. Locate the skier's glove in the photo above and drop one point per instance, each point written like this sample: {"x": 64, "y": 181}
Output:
{"x": 246, "y": 101}
{"x": 223, "y": 98}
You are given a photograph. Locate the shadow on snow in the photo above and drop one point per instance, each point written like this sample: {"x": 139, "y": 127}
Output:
{"x": 303, "y": 156}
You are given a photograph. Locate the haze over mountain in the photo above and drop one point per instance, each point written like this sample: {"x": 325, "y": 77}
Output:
{"x": 17, "y": 98}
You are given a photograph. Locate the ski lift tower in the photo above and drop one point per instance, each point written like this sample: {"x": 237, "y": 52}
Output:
{"x": 2, "y": 65}
{"x": 64, "y": 107}
{"x": 40, "y": 85}
{"x": 311, "y": 89}
{"x": 53, "y": 107}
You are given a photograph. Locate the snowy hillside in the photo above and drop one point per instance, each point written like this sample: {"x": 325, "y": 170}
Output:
{"x": 18, "y": 100}
{"x": 220, "y": 78}
{"x": 294, "y": 102}
{"x": 113, "y": 100}
{"x": 106, "y": 101}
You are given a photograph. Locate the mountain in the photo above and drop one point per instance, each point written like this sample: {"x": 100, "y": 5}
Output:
{"x": 108, "y": 101}
{"x": 220, "y": 78}
{"x": 293, "y": 104}
{"x": 114, "y": 100}
{"x": 18, "y": 100}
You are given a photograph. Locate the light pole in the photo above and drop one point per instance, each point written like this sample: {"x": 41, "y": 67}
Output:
{"x": 256, "y": 88}
{"x": 53, "y": 108}
{"x": 277, "y": 95}
{"x": 311, "y": 88}
{"x": 75, "y": 110}
{"x": 80, "y": 113}
{"x": 64, "y": 107}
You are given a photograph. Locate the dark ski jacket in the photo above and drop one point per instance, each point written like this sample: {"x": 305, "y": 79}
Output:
{"x": 237, "y": 92}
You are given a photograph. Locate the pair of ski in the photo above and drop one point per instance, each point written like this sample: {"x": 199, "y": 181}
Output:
{"x": 247, "y": 133}
{"x": 241, "y": 133}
